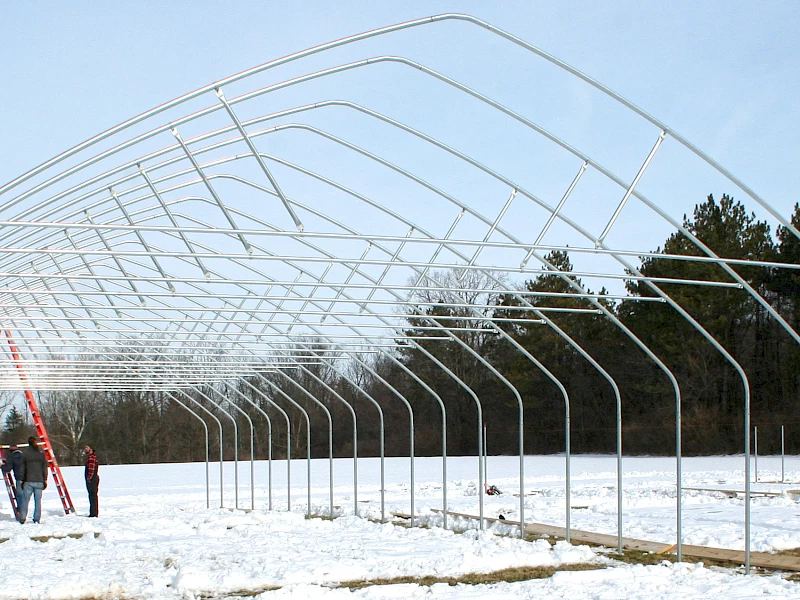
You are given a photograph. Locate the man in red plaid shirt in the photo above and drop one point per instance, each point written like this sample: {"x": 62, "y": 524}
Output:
{"x": 92, "y": 479}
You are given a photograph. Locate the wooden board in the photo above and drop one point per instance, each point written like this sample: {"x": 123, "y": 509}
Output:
{"x": 733, "y": 493}
{"x": 757, "y": 559}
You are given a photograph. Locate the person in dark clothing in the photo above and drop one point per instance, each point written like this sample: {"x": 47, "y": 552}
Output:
{"x": 34, "y": 476}
{"x": 91, "y": 473}
{"x": 13, "y": 465}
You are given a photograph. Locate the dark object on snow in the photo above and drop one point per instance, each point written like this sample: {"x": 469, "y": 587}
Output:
{"x": 501, "y": 517}
{"x": 493, "y": 491}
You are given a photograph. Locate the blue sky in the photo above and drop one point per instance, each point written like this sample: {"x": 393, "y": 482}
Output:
{"x": 723, "y": 74}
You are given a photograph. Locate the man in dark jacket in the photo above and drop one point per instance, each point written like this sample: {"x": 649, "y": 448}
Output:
{"x": 92, "y": 479}
{"x": 34, "y": 475}
{"x": 13, "y": 465}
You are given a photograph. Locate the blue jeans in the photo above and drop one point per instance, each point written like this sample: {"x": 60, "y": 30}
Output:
{"x": 18, "y": 494}
{"x": 31, "y": 488}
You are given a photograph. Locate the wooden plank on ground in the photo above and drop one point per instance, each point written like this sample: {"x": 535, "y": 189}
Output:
{"x": 733, "y": 493}
{"x": 757, "y": 559}
{"x": 576, "y": 535}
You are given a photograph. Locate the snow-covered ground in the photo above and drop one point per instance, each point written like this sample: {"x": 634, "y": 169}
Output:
{"x": 155, "y": 537}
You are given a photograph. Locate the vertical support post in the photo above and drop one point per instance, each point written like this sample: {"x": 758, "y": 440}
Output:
{"x": 355, "y": 432}
{"x": 221, "y": 450}
{"x": 485, "y": 454}
{"x": 746, "y": 476}
{"x": 269, "y": 441}
{"x": 411, "y": 434}
{"x": 783, "y": 456}
{"x": 252, "y": 447}
{"x": 443, "y": 409}
{"x": 304, "y": 412}
{"x": 382, "y": 439}
{"x": 755, "y": 452}
{"x": 288, "y": 445}
{"x": 479, "y": 408}
{"x": 205, "y": 427}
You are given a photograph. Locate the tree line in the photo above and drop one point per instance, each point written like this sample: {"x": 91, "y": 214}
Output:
{"x": 555, "y": 342}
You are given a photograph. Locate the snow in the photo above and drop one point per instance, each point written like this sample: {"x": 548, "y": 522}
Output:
{"x": 155, "y": 538}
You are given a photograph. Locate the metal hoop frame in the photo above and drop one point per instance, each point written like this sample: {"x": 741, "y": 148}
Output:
{"x": 123, "y": 267}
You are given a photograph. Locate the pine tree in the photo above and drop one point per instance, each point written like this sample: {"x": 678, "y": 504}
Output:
{"x": 712, "y": 391}
{"x": 14, "y": 426}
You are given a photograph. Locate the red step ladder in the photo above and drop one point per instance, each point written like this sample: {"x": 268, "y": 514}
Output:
{"x": 55, "y": 470}
{"x": 9, "y": 482}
